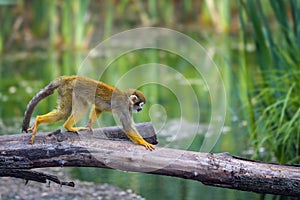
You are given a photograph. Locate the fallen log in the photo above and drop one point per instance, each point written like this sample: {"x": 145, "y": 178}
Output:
{"x": 86, "y": 150}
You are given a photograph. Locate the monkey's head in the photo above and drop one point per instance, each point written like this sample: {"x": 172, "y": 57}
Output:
{"x": 137, "y": 99}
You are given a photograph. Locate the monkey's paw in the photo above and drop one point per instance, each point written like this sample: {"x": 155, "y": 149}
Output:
{"x": 31, "y": 141}
{"x": 149, "y": 146}
{"x": 88, "y": 127}
{"x": 77, "y": 129}
{"x": 30, "y": 129}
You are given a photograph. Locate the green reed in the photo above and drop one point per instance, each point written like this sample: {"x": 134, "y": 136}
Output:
{"x": 58, "y": 23}
{"x": 71, "y": 23}
{"x": 271, "y": 91}
{"x": 6, "y": 30}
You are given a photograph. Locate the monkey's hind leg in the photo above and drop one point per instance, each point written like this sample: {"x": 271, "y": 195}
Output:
{"x": 71, "y": 121}
{"x": 94, "y": 115}
{"x": 51, "y": 117}
{"x": 79, "y": 109}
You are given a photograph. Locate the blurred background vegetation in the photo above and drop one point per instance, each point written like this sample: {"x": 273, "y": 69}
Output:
{"x": 255, "y": 44}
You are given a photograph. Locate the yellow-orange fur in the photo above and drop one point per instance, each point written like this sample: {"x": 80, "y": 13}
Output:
{"x": 75, "y": 93}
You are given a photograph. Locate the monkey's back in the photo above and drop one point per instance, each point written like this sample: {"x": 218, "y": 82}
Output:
{"x": 89, "y": 90}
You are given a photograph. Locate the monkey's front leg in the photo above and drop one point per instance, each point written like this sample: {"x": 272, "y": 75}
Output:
{"x": 137, "y": 138}
{"x": 130, "y": 130}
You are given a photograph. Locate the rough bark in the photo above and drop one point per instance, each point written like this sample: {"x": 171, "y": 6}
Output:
{"x": 222, "y": 170}
{"x": 30, "y": 175}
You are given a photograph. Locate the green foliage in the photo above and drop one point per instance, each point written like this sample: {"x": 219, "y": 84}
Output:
{"x": 271, "y": 91}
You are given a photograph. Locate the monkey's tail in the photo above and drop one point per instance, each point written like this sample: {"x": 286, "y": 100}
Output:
{"x": 46, "y": 91}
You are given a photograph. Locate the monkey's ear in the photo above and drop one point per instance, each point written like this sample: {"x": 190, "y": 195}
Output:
{"x": 133, "y": 99}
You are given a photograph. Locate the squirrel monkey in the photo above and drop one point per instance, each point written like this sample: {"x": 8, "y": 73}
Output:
{"x": 74, "y": 94}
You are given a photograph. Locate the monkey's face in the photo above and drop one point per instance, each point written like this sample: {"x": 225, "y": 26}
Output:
{"x": 137, "y": 107}
{"x": 136, "y": 103}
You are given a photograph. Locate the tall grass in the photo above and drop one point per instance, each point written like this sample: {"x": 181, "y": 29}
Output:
{"x": 272, "y": 91}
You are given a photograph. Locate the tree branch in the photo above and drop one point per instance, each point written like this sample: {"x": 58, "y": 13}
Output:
{"x": 30, "y": 175}
{"x": 222, "y": 170}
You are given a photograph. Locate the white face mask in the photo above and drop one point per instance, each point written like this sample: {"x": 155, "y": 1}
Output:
{"x": 137, "y": 105}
